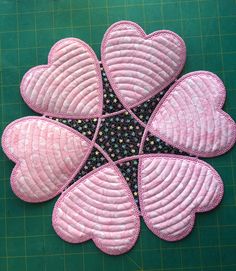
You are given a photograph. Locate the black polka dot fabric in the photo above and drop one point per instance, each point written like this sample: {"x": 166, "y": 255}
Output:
{"x": 144, "y": 110}
{"x": 95, "y": 160}
{"x": 120, "y": 136}
{"x": 86, "y": 127}
{"x": 129, "y": 170}
{"x": 154, "y": 144}
{"x": 110, "y": 102}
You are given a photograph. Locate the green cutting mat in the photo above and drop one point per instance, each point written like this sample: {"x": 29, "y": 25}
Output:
{"x": 28, "y": 29}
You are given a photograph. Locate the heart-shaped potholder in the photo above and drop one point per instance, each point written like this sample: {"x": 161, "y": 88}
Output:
{"x": 138, "y": 65}
{"x": 69, "y": 86}
{"x": 172, "y": 189}
{"x": 47, "y": 156}
{"x": 100, "y": 207}
{"x": 190, "y": 116}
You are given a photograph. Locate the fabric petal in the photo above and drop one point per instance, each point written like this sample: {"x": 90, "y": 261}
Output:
{"x": 172, "y": 189}
{"x": 47, "y": 156}
{"x": 100, "y": 207}
{"x": 138, "y": 65}
{"x": 190, "y": 116}
{"x": 69, "y": 86}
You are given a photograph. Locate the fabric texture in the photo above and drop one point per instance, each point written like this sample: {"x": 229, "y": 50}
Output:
{"x": 172, "y": 190}
{"x": 190, "y": 116}
{"x": 99, "y": 207}
{"x": 47, "y": 155}
{"x": 139, "y": 65}
{"x": 69, "y": 86}
{"x": 169, "y": 187}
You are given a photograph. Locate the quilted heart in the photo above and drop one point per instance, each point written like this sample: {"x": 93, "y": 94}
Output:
{"x": 139, "y": 65}
{"x": 98, "y": 207}
{"x": 69, "y": 86}
{"x": 190, "y": 116}
{"x": 47, "y": 156}
{"x": 172, "y": 189}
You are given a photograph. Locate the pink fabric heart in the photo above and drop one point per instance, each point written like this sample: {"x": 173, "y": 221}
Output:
{"x": 100, "y": 207}
{"x": 138, "y": 65}
{"x": 172, "y": 189}
{"x": 70, "y": 86}
{"x": 47, "y": 156}
{"x": 190, "y": 117}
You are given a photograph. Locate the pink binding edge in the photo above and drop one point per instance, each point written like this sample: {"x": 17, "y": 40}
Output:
{"x": 50, "y": 61}
{"x": 140, "y": 157}
{"x": 194, "y": 211}
{"x": 218, "y": 199}
{"x": 65, "y": 194}
{"x": 128, "y": 158}
{"x": 143, "y": 213}
{"x": 219, "y": 105}
{"x": 145, "y": 36}
{"x": 17, "y": 161}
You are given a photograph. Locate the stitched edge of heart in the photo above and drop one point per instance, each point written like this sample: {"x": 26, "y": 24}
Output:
{"x": 95, "y": 240}
{"x": 50, "y": 62}
{"x": 219, "y": 104}
{"x": 5, "y": 148}
{"x": 144, "y": 36}
{"x": 194, "y": 211}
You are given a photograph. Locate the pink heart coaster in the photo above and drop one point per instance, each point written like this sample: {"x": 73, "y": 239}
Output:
{"x": 138, "y": 65}
{"x": 100, "y": 207}
{"x": 69, "y": 86}
{"x": 172, "y": 189}
{"x": 47, "y": 156}
{"x": 103, "y": 204}
{"x": 190, "y": 117}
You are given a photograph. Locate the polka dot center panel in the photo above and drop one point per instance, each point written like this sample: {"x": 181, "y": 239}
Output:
{"x": 154, "y": 144}
{"x": 144, "y": 110}
{"x": 86, "y": 127}
{"x": 95, "y": 160}
{"x": 119, "y": 135}
{"x": 111, "y": 103}
{"x": 129, "y": 170}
